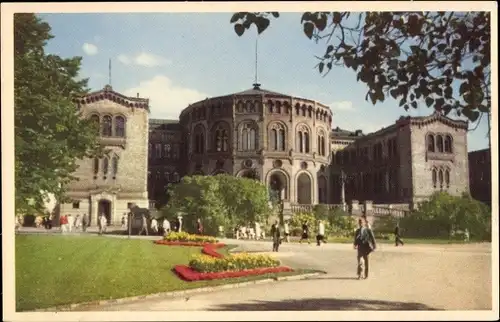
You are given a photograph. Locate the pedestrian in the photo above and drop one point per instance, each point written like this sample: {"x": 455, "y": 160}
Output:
{"x": 258, "y": 232}
{"x": 286, "y": 231}
{"x": 397, "y": 236}
{"x": 70, "y": 222}
{"x": 78, "y": 222}
{"x": 275, "y": 234}
{"x": 364, "y": 243}
{"x": 144, "y": 226}
{"x": 466, "y": 235}
{"x": 321, "y": 233}
{"x": 124, "y": 222}
{"x": 102, "y": 224}
{"x": 63, "y": 221}
{"x": 199, "y": 227}
{"x": 154, "y": 225}
{"x": 49, "y": 222}
{"x": 85, "y": 222}
{"x": 305, "y": 233}
{"x": 166, "y": 226}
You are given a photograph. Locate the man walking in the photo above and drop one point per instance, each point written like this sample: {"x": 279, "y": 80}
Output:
{"x": 305, "y": 233}
{"x": 397, "y": 236}
{"x": 275, "y": 234}
{"x": 364, "y": 242}
{"x": 85, "y": 222}
{"x": 199, "y": 227}
{"x": 321, "y": 233}
{"x": 287, "y": 231}
{"x": 144, "y": 226}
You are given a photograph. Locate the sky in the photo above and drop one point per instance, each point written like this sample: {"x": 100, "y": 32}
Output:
{"x": 176, "y": 59}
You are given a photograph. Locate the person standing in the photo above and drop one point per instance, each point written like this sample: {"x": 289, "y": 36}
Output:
{"x": 258, "y": 232}
{"x": 364, "y": 243}
{"x": 144, "y": 226}
{"x": 275, "y": 234}
{"x": 62, "y": 222}
{"x": 166, "y": 226}
{"x": 78, "y": 222}
{"x": 154, "y": 225}
{"x": 305, "y": 233}
{"x": 70, "y": 222}
{"x": 321, "y": 233}
{"x": 397, "y": 236}
{"x": 85, "y": 222}
{"x": 199, "y": 227}
{"x": 286, "y": 228}
{"x": 102, "y": 224}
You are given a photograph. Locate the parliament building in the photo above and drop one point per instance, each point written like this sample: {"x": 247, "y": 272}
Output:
{"x": 289, "y": 143}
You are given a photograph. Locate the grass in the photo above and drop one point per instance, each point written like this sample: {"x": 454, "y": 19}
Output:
{"x": 58, "y": 270}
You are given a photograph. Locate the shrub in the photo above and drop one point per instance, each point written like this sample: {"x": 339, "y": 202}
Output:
{"x": 298, "y": 219}
{"x": 236, "y": 262}
{"x": 186, "y": 237}
{"x": 341, "y": 223}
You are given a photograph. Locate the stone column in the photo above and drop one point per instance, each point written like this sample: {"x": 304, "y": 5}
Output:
{"x": 113, "y": 210}
{"x": 93, "y": 211}
{"x": 355, "y": 208}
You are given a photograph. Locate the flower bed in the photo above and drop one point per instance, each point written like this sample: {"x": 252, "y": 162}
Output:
{"x": 236, "y": 262}
{"x": 188, "y": 274}
{"x": 186, "y": 237}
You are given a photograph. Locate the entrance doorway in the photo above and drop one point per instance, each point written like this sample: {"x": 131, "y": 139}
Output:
{"x": 104, "y": 207}
{"x": 304, "y": 189}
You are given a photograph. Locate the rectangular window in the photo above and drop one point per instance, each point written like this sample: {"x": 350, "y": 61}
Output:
{"x": 76, "y": 204}
{"x": 158, "y": 150}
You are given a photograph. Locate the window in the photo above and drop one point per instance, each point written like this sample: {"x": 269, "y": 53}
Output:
{"x": 96, "y": 166}
{"x": 434, "y": 178}
{"x": 105, "y": 167}
{"x": 96, "y": 121}
{"x": 447, "y": 178}
{"x": 119, "y": 126}
{"x": 175, "y": 152}
{"x": 430, "y": 143}
{"x": 221, "y": 139}
{"x": 321, "y": 144}
{"x": 303, "y": 141}
{"x": 199, "y": 139}
{"x": 447, "y": 144}
{"x": 247, "y": 141}
{"x": 157, "y": 150}
{"x": 439, "y": 143}
{"x": 76, "y": 204}
{"x": 115, "y": 166}
{"x": 278, "y": 107}
{"x": 167, "y": 151}
{"x": 441, "y": 179}
{"x": 167, "y": 176}
{"x": 106, "y": 126}
{"x": 176, "y": 177}
{"x": 150, "y": 150}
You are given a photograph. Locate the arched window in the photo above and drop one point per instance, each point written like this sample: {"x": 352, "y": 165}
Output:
{"x": 167, "y": 176}
{"x": 277, "y": 137}
{"x": 119, "y": 126}
{"x": 439, "y": 143}
{"x": 199, "y": 139}
{"x": 447, "y": 178}
{"x": 441, "y": 179}
{"x": 278, "y": 107}
{"x": 430, "y": 143}
{"x": 248, "y": 136}
{"x": 434, "y": 178}
{"x": 321, "y": 144}
{"x": 107, "y": 126}
{"x": 167, "y": 151}
{"x": 447, "y": 144}
{"x": 105, "y": 167}
{"x": 270, "y": 106}
{"x": 115, "y": 166}
{"x": 306, "y": 142}
{"x": 300, "y": 143}
{"x": 297, "y": 109}
{"x": 150, "y": 150}
{"x": 96, "y": 166}
{"x": 221, "y": 139}
{"x": 96, "y": 121}
{"x": 175, "y": 177}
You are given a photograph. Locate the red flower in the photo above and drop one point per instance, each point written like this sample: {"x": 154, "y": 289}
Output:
{"x": 188, "y": 274}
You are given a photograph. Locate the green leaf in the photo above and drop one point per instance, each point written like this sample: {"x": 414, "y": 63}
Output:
{"x": 329, "y": 49}
{"x": 308, "y": 29}
{"x": 321, "y": 22}
{"x": 307, "y": 16}
{"x": 237, "y": 16}
{"x": 239, "y": 29}
{"x": 262, "y": 24}
{"x": 337, "y": 17}
{"x": 320, "y": 67}
{"x": 414, "y": 104}
{"x": 394, "y": 93}
{"x": 275, "y": 14}
{"x": 441, "y": 47}
{"x": 429, "y": 101}
{"x": 464, "y": 87}
{"x": 402, "y": 102}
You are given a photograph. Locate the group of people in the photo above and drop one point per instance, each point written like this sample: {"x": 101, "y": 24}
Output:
{"x": 277, "y": 239}
{"x": 249, "y": 232}
{"x": 68, "y": 223}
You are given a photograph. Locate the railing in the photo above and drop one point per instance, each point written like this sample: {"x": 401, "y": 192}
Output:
{"x": 296, "y": 208}
{"x": 387, "y": 211}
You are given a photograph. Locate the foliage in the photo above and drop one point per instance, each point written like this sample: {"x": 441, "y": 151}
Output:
{"x": 341, "y": 223}
{"x": 321, "y": 212}
{"x": 185, "y": 237}
{"x": 415, "y": 57}
{"x": 221, "y": 200}
{"x": 50, "y": 134}
{"x": 298, "y": 219}
{"x": 247, "y": 200}
{"x": 236, "y": 262}
{"x": 385, "y": 225}
{"x": 444, "y": 214}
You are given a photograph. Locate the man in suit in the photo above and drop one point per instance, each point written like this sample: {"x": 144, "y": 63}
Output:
{"x": 364, "y": 242}
{"x": 276, "y": 235}
{"x": 397, "y": 236}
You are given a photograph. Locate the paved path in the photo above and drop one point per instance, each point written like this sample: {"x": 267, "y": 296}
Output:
{"x": 413, "y": 277}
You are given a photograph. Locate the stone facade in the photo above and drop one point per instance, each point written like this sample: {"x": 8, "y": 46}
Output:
{"x": 110, "y": 185}
{"x": 480, "y": 175}
{"x": 285, "y": 141}
{"x": 403, "y": 163}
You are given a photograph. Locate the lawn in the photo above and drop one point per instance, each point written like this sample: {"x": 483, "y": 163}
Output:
{"x": 57, "y": 270}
